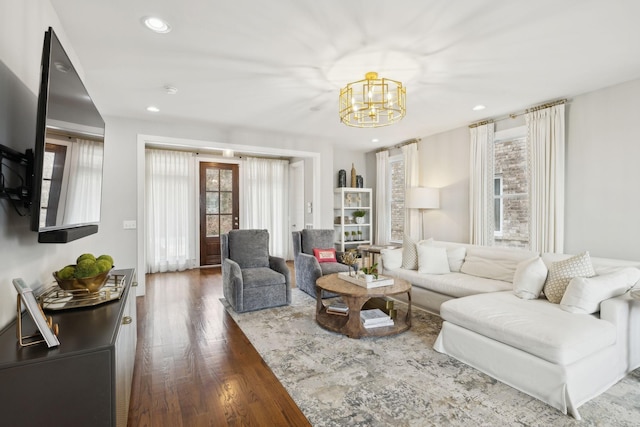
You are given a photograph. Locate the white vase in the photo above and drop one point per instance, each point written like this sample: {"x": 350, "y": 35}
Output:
{"x": 359, "y": 220}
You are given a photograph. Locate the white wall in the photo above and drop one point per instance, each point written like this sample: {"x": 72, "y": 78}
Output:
{"x": 444, "y": 164}
{"x": 603, "y": 173}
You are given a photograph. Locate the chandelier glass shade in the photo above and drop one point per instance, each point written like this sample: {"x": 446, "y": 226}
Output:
{"x": 372, "y": 102}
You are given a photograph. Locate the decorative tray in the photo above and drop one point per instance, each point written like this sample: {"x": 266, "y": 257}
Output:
{"x": 55, "y": 298}
{"x": 365, "y": 282}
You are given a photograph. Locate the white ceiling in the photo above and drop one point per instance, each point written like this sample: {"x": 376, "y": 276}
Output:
{"x": 278, "y": 65}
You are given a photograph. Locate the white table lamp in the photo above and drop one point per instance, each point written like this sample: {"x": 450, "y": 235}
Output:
{"x": 422, "y": 198}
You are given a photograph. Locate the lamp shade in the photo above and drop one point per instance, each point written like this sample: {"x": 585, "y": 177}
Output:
{"x": 422, "y": 198}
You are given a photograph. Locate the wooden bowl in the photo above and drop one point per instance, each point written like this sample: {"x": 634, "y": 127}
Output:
{"x": 90, "y": 284}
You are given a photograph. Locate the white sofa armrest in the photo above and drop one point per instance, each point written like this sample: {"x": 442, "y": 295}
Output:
{"x": 624, "y": 312}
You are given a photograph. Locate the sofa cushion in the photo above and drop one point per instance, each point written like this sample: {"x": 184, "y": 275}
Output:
{"x": 493, "y": 262}
{"x": 249, "y": 248}
{"x": 391, "y": 258}
{"x": 529, "y": 278}
{"x": 534, "y": 326}
{"x": 561, "y": 273}
{"x": 432, "y": 260}
{"x": 584, "y": 295}
{"x": 452, "y": 284}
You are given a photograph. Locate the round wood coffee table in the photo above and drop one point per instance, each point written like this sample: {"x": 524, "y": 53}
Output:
{"x": 356, "y": 297}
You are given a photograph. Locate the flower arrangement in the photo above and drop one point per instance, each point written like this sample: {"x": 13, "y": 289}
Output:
{"x": 350, "y": 258}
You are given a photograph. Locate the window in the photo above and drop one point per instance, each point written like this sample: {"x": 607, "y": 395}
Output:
{"x": 511, "y": 192}
{"x": 396, "y": 198}
{"x": 497, "y": 206}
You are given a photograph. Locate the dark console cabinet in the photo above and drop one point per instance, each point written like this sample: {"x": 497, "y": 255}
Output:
{"x": 86, "y": 381}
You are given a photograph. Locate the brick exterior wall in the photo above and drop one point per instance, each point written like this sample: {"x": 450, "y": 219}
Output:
{"x": 397, "y": 200}
{"x": 511, "y": 165}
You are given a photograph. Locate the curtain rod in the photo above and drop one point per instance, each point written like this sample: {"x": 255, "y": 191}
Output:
{"x": 400, "y": 144}
{"x": 514, "y": 115}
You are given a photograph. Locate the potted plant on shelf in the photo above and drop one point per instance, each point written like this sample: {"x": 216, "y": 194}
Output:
{"x": 359, "y": 235}
{"x": 359, "y": 216}
{"x": 353, "y": 236}
{"x": 346, "y": 236}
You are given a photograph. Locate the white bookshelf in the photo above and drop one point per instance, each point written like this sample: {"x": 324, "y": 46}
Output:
{"x": 347, "y": 200}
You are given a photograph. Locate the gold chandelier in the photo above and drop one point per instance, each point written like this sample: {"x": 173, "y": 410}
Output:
{"x": 372, "y": 102}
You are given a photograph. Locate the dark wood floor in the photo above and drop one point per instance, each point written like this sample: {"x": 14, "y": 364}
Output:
{"x": 194, "y": 366}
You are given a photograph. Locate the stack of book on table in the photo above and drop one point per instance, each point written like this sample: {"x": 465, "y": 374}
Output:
{"x": 338, "y": 308}
{"x": 375, "y": 318}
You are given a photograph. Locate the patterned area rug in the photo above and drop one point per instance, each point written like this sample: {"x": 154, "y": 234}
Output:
{"x": 400, "y": 380}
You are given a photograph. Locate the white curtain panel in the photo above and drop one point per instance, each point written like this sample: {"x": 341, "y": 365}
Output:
{"x": 411, "y": 179}
{"x": 382, "y": 203}
{"x": 170, "y": 207}
{"x": 546, "y": 140}
{"x": 85, "y": 177}
{"x": 481, "y": 225}
{"x": 266, "y": 201}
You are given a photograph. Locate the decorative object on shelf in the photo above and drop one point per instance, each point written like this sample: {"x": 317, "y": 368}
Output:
{"x": 372, "y": 102}
{"x": 346, "y": 236}
{"x": 359, "y": 234}
{"x": 353, "y": 176}
{"x": 359, "y": 216}
{"x": 353, "y": 236}
{"x": 350, "y": 258}
{"x": 342, "y": 178}
{"x": 348, "y": 200}
{"x": 47, "y": 331}
{"x": 359, "y": 181}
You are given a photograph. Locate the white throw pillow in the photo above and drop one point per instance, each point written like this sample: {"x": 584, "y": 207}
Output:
{"x": 409, "y": 253}
{"x": 561, "y": 273}
{"x": 432, "y": 260}
{"x": 456, "y": 258}
{"x": 584, "y": 295}
{"x": 529, "y": 278}
{"x": 391, "y": 258}
{"x": 455, "y": 255}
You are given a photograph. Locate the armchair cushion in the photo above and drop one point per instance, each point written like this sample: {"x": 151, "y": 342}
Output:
{"x": 261, "y": 276}
{"x": 249, "y": 248}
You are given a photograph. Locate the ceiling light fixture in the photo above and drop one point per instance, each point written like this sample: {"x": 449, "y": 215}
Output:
{"x": 156, "y": 25}
{"x": 171, "y": 90}
{"x": 372, "y": 102}
{"x": 153, "y": 109}
{"x": 479, "y": 107}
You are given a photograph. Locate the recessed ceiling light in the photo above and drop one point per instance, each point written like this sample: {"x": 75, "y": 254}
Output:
{"x": 375, "y": 140}
{"x": 479, "y": 107}
{"x": 156, "y": 24}
{"x": 171, "y": 90}
{"x": 153, "y": 109}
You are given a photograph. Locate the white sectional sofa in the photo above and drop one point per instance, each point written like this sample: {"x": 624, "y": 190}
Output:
{"x": 558, "y": 353}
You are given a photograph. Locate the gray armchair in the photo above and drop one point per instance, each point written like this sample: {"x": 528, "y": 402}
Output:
{"x": 251, "y": 278}
{"x": 307, "y": 267}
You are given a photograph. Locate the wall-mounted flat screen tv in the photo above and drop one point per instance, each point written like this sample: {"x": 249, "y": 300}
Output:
{"x": 68, "y": 154}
